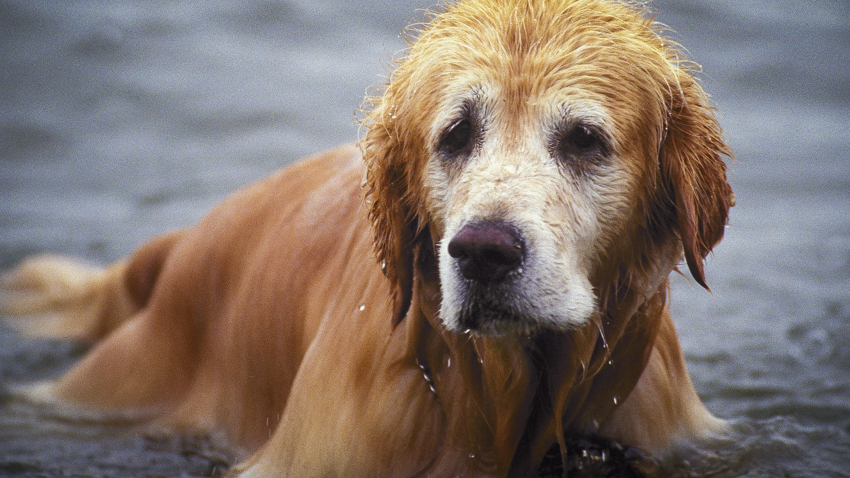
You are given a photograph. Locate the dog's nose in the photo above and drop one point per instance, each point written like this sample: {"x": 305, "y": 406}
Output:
{"x": 486, "y": 252}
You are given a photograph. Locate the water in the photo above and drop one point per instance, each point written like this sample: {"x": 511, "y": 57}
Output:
{"x": 123, "y": 119}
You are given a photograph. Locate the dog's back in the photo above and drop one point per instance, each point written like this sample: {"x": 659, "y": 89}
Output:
{"x": 204, "y": 328}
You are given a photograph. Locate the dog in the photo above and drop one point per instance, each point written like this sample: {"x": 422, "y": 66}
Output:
{"x": 484, "y": 275}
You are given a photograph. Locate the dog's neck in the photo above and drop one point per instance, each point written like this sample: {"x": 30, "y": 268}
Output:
{"x": 507, "y": 399}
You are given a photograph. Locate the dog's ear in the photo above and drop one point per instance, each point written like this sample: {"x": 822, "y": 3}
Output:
{"x": 388, "y": 202}
{"x": 694, "y": 173}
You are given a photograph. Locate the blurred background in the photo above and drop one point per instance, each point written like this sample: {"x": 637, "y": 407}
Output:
{"x": 120, "y": 120}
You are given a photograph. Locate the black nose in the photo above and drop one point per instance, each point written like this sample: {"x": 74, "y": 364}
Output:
{"x": 486, "y": 252}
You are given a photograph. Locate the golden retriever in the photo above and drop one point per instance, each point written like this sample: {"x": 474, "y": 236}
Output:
{"x": 486, "y": 275}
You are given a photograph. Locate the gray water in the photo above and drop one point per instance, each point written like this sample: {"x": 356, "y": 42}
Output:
{"x": 123, "y": 119}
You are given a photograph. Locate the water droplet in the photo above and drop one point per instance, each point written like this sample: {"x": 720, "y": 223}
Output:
{"x": 616, "y": 400}
{"x": 467, "y": 331}
{"x": 610, "y": 362}
{"x": 448, "y": 362}
{"x": 472, "y": 456}
{"x": 362, "y": 307}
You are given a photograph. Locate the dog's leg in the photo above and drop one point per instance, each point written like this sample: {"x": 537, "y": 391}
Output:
{"x": 663, "y": 409}
{"x": 139, "y": 370}
{"x": 140, "y": 366}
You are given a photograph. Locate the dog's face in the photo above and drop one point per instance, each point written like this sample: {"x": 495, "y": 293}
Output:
{"x": 549, "y": 152}
{"x": 524, "y": 197}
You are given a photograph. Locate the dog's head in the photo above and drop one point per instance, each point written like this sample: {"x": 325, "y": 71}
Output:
{"x": 544, "y": 152}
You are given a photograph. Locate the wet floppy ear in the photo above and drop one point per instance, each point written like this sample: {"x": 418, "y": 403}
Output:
{"x": 387, "y": 196}
{"x": 694, "y": 173}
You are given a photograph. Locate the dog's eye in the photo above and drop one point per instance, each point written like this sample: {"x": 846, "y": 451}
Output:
{"x": 458, "y": 139}
{"x": 579, "y": 140}
{"x": 582, "y": 138}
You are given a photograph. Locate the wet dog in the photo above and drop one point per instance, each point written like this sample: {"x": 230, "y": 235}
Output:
{"x": 484, "y": 276}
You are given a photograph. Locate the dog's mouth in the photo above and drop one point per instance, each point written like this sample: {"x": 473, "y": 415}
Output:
{"x": 489, "y": 309}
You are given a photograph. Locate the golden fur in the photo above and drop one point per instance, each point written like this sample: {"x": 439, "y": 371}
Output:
{"x": 570, "y": 130}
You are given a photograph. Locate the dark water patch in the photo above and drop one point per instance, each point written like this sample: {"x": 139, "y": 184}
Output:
{"x": 710, "y": 360}
{"x": 15, "y": 468}
{"x": 37, "y": 439}
{"x": 784, "y": 50}
{"x": 103, "y": 40}
{"x": 267, "y": 17}
{"x": 57, "y": 448}
{"x": 27, "y": 360}
{"x": 27, "y": 141}
{"x": 218, "y": 123}
{"x": 813, "y": 413}
{"x": 753, "y": 392}
{"x": 20, "y": 18}
{"x": 299, "y": 20}
{"x": 155, "y": 198}
{"x": 823, "y": 341}
{"x": 778, "y": 446}
{"x": 269, "y": 13}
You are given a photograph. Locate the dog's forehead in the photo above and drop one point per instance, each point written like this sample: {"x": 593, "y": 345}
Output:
{"x": 588, "y": 56}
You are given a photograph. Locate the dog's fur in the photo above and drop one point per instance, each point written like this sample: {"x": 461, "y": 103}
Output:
{"x": 330, "y": 335}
